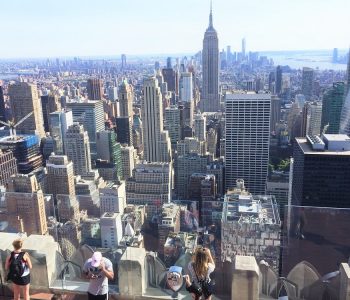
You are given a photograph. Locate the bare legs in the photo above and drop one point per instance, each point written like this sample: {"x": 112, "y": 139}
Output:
{"x": 17, "y": 292}
{"x": 26, "y": 292}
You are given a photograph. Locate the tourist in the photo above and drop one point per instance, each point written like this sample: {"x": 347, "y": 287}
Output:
{"x": 198, "y": 282}
{"x": 18, "y": 265}
{"x": 98, "y": 269}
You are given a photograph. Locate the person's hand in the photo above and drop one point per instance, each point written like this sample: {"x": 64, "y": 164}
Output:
{"x": 187, "y": 278}
{"x": 102, "y": 266}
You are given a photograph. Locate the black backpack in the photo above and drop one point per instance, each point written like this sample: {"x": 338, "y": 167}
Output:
{"x": 16, "y": 268}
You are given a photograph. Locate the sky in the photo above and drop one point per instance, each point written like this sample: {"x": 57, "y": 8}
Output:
{"x": 47, "y": 28}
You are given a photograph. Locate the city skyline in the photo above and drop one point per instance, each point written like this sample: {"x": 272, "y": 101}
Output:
{"x": 102, "y": 26}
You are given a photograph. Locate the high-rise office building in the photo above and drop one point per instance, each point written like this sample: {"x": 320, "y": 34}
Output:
{"x": 247, "y": 139}
{"x": 212, "y": 139}
{"x": 113, "y": 198}
{"x": 2, "y": 105}
{"x": 109, "y": 149}
{"x": 190, "y": 145}
{"x": 278, "y": 82}
{"x": 49, "y": 104}
{"x": 168, "y": 63}
{"x": 186, "y": 87}
{"x": 78, "y": 149}
{"x": 124, "y": 130}
{"x": 60, "y": 176}
{"x": 335, "y": 55}
{"x": 321, "y": 175}
{"x": 26, "y": 205}
{"x": 157, "y": 147}
{"x": 307, "y": 84}
{"x": 169, "y": 76}
{"x": 332, "y": 104}
{"x": 91, "y": 115}
{"x": 275, "y": 112}
{"x": 60, "y": 183}
{"x": 150, "y": 185}
{"x": 243, "y": 48}
{"x": 172, "y": 123}
{"x": 128, "y": 161}
{"x": 311, "y": 121}
{"x": 186, "y": 165}
{"x": 200, "y": 127}
{"x": 59, "y": 123}
{"x": 94, "y": 89}
{"x": 111, "y": 230}
{"x": 112, "y": 93}
{"x": 123, "y": 59}
{"x": 24, "y": 99}
{"x": 210, "y": 101}
{"x": 8, "y": 166}
{"x": 26, "y": 150}
{"x": 126, "y": 99}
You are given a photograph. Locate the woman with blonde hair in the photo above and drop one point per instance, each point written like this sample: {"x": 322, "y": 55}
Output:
{"x": 200, "y": 268}
{"x": 18, "y": 265}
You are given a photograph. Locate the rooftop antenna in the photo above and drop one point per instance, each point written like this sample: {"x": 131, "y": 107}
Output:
{"x": 12, "y": 125}
{"x": 211, "y": 15}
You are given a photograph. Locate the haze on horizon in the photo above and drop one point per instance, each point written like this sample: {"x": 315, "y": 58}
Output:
{"x": 95, "y": 28}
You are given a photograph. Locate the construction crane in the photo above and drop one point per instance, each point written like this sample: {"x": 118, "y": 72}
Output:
{"x": 12, "y": 125}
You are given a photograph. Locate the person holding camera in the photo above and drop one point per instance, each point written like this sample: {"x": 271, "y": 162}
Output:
{"x": 98, "y": 269}
{"x": 198, "y": 282}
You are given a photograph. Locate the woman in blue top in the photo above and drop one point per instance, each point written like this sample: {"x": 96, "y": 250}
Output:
{"x": 23, "y": 281}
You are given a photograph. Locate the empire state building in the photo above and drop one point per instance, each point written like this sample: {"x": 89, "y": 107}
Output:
{"x": 210, "y": 100}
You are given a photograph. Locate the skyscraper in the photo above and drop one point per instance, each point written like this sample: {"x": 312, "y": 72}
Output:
{"x": 49, "y": 104}
{"x": 60, "y": 183}
{"x": 8, "y": 166}
{"x": 109, "y": 149}
{"x": 24, "y": 99}
{"x": 150, "y": 185}
{"x": 172, "y": 123}
{"x": 278, "y": 83}
{"x": 307, "y": 84}
{"x": 126, "y": 98}
{"x": 210, "y": 101}
{"x": 123, "y": 59}
{"x": 128, "y": 161}
{"x": 332, "y": 104}
{"x": 200, "y": 127}
{"x": 156, "y": 145}
{"x": 25, "y": 205}
{"x": 124, "y": 130}
{"x": 60, "y": 175}
{"x": 94, "y": 89}
{"x": 59, "y": 123}
{"x": 321, "y": 171}
{"x": 91, "y": 115}
{"x": 243, "y": 49}
{"x": 78, "y": 149}
{"x": 26, "y": 150}
{"x": 186, "y": 87}
{"x": 275, "y": 112}
{"x": 169, "y": 76}
{"x": 311, "y": 122}
{"x": 247, "y": 139}
{"x": 2, "y": 105}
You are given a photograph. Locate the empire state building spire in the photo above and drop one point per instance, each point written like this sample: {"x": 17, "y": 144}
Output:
{"x": 211, "y": 15}
{"x": 210, "y": 100}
